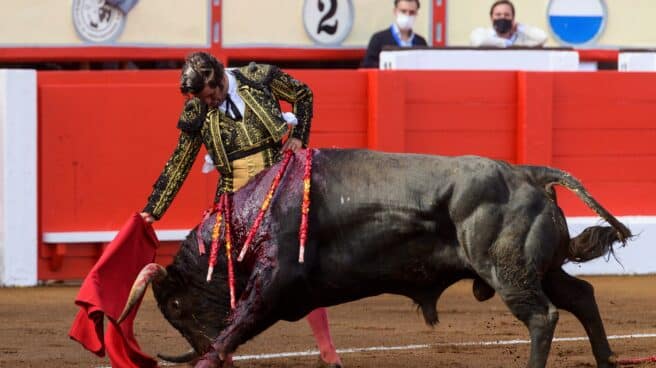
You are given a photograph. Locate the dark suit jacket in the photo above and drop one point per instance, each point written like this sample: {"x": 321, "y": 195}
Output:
{"x": 381, "y": 39}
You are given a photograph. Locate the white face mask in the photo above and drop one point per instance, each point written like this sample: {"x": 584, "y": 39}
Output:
{"x": 405, "y": 22}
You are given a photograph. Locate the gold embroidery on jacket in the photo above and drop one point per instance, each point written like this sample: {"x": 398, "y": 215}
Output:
{"x": 223, "y": 137}
{"x": 220, "y": 157}
{"x": 175, "y": 172}
{"x": 264, "y": 109}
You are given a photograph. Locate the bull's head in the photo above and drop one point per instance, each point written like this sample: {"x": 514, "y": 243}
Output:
{"x": 196, "y": 308}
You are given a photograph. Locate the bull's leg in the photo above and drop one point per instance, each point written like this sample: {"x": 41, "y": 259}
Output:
{"x": 521, "y": 246}
{"x": 533, "y": 308}
{"x": 254, "y": 313}
{"x": 577, "y": 296}
{"x": 517, "y": 284}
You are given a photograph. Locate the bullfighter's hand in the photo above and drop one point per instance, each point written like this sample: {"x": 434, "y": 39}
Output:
{"x": 292, "y": 144}
{"x": 147, "y": 217}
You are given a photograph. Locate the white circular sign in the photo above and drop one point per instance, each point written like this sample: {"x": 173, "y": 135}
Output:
{"x": 96, "y": 21}
{"x": 328, "y": 22}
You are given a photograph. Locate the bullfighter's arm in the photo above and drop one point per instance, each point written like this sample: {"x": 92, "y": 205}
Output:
{"x": 287, "y": 88}
{"x": 177, "y": 167}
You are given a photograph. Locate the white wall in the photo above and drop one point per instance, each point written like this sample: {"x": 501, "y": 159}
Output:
{"x": 638, "y": 257}
{"x": 18, "y": 182}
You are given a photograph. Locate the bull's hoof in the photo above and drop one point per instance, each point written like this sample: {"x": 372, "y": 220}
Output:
{"x": 613, "y": 362}
{"x": 209, "y": 360}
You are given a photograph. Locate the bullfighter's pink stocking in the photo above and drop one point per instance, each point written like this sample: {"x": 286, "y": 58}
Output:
{"x": 318, "y": 320}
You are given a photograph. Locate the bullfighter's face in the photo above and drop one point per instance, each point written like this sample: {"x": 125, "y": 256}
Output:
{"x": 213, "y": 94}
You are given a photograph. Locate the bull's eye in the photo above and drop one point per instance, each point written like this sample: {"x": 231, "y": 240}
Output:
{"x": 174, "y": 307}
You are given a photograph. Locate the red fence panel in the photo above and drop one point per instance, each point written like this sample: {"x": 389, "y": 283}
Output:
{"x": 105, "y": 136}
{"x": 340, "y": 107}
{"x": 461, "y": 113}
{"x": 104, "y": 139}
{"x": 604, "y": 133}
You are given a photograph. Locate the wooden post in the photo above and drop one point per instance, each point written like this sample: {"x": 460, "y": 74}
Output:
{"x": 534, "y": 118}
{"x": 387, "y": 104}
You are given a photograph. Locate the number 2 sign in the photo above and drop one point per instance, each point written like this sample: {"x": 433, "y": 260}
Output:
{"x": 328, "y": 22}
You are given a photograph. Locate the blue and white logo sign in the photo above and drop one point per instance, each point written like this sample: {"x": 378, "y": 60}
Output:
{"x": 577, "y": 22}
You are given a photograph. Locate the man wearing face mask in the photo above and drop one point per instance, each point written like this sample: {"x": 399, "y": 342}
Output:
{"x": 398, "y": 34}
{"x": 505, "y": 31}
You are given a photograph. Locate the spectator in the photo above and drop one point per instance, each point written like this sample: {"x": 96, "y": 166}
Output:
{"x": 398, "y": 34}
{"x": 505, "y": 31}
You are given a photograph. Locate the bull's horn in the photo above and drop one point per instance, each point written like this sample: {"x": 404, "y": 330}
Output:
{"x": 150, "y": 272}
{"x": 182, "y": 358}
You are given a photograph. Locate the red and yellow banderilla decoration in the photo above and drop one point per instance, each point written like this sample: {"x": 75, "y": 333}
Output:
{"x": 305, "y": 206}
{"x": 228, "y": 249}
{"x": 223, "y": 213}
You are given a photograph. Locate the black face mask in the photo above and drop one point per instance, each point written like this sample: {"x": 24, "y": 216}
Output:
{"x": 502, "y": 25}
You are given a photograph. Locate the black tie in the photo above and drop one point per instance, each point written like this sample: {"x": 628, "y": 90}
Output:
{"x": 230, "y": 106}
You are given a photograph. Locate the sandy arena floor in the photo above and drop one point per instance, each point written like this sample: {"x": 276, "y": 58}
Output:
{"x": 35, "y": 323}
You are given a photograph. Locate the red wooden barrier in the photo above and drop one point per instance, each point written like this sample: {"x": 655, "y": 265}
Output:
{"x": 604, "y": 133}
{"x": 104, "y": 137}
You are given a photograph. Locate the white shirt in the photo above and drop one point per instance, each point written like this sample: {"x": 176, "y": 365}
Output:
{"x": 524, "y": 36}
{"x": 289, "y": 117}
{"x": 397, "y": 36}
{"x": 234, "y": 96}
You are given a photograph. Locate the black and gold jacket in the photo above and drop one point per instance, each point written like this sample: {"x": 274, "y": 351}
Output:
{"x": 262, "y": 129}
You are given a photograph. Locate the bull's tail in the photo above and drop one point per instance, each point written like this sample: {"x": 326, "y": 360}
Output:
{"x": 594, "y": 241}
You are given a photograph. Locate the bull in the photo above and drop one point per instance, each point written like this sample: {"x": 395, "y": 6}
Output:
{"x": 403, "y": 224}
